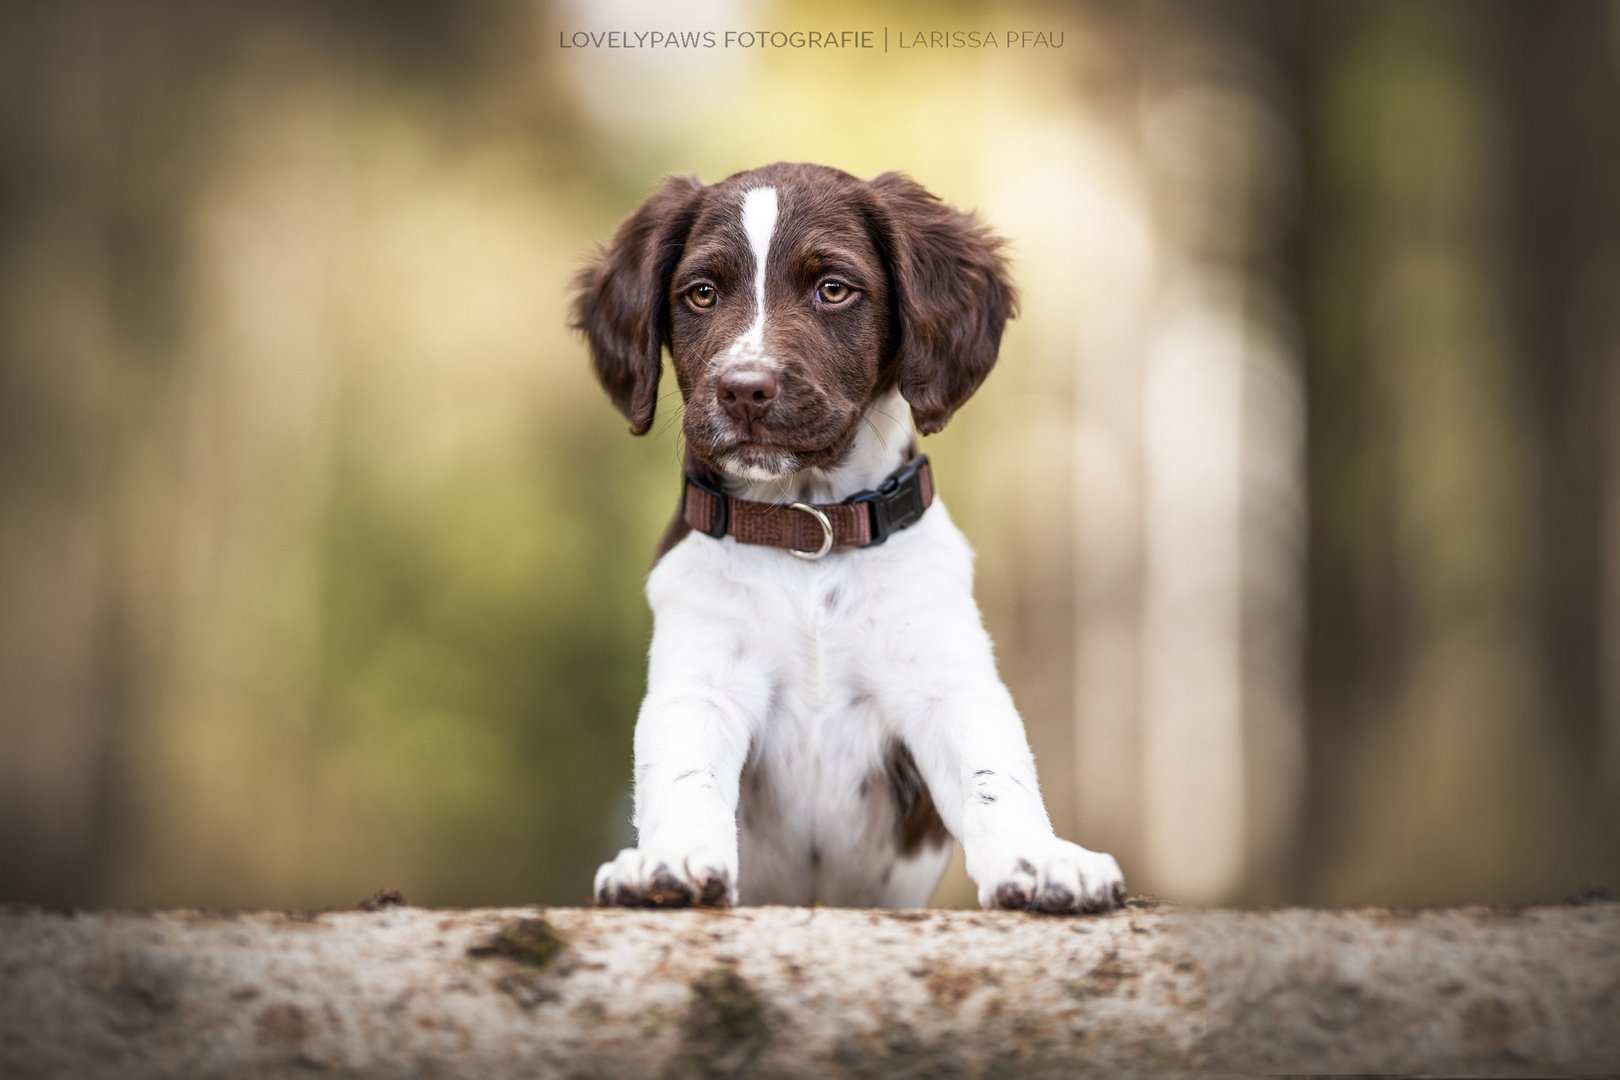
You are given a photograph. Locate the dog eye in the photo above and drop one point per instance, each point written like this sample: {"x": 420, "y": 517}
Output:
{"x": 833, "y": 292}
{"x": 702, "y": 296}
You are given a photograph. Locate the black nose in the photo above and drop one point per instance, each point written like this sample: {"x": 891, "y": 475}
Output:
{"x": 746, "y": 393}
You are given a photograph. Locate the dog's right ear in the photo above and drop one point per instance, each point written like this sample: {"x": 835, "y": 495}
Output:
{"x": 622, "y": 299}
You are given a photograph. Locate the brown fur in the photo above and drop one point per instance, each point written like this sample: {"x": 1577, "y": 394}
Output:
{"x": 932, "y": 297}
{"x": 919, "y": 822}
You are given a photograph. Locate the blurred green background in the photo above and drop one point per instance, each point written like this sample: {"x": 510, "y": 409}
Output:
{"x": 1296, "y": 492}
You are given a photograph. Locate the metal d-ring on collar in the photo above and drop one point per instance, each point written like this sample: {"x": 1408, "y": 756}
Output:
{"x": 826, "y": 531}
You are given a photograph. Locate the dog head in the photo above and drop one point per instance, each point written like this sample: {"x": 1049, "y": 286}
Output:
{"x": 790, "y": 297}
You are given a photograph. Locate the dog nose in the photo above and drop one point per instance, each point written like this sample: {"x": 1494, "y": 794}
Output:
{"x": 746, "y": 394}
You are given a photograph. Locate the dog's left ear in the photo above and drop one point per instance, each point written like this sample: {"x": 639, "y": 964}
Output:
{"x": 622, "y": 303}
{"x": 952, "y": 296}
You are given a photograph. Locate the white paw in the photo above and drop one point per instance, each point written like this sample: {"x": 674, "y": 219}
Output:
{"x": 652, "y": 878}
{"x": 1055, "y": 877}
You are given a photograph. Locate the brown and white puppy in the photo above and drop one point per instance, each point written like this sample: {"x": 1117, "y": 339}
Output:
{"x": 813, "y": 727}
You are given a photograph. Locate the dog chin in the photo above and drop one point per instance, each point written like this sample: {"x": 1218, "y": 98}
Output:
{"x": 758, "y": 463}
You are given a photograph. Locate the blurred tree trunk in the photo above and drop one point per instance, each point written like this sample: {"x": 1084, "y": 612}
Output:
{"x": 1561, "y": 95}
{"x": 1190, "y": 484}
{"x": 161, "y": 437}
{"x": 1460, "y": 317}
{"x": 70, "y": 249}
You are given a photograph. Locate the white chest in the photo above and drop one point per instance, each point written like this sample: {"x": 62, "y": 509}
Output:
{"x": 809, "y": 650}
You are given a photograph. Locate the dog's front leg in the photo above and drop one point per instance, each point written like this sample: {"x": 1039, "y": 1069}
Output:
{"x": 1012, "y": 852}
{"x": 692, "y": 739}
{"x": 963, "y": 731}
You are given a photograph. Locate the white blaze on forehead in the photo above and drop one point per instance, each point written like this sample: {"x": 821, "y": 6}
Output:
{"x": 759, "y": 223}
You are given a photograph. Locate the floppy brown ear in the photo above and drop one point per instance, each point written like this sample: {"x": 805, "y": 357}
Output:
{"x": 952, "y": 297}
{"x": 622, "y": 298}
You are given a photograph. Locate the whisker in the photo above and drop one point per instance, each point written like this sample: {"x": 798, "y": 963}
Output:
{"x": 883, "y": 442}
{"x": 672, "y": 418}
{"x": 887, "y": 416}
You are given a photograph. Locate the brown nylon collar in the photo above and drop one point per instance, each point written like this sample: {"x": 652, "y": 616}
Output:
{"x": 865, "y": 519}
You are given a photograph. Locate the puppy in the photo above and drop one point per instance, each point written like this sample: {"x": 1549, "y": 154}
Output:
{"x": 823, "y": 711}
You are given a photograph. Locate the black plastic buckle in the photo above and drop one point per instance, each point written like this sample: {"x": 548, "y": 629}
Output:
{"x": 717, "y": 528}
{"x": 897, "y": 503}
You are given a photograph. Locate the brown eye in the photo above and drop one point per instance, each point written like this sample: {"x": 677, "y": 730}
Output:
{"x": 833, "y": 292}
{"x": 702, "y": 296}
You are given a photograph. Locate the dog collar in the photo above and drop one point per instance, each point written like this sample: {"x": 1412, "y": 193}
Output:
{"x": 810, "y": 530}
